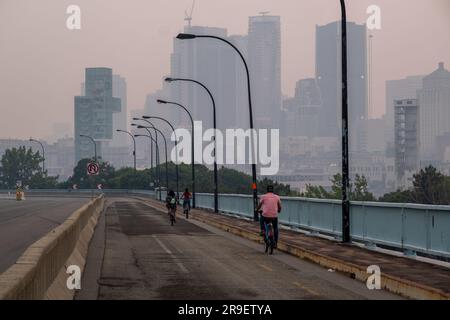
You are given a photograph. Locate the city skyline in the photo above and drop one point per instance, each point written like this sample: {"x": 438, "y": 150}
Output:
{"x": 144, "y": 75}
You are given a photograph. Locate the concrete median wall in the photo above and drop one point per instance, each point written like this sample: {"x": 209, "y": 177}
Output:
{"x": 40, "y": 273}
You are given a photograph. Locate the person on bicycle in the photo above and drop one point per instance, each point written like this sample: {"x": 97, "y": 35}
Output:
{"x": 270, "y": 205}
{"x": 186, "y": 196}
{"x": 171, "y": 204}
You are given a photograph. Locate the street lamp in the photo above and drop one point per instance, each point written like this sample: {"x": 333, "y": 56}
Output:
{"x": 216, "y": 188}
{"x": 176, "y": 146}
{"x": 43, "y": 154}
{"x": 187, "y": 36}
{"x": 134, "y": 144}
{"x": 151, "y": 144}
{"x": 156, "y": 155}
{"x": 165, "y": 147}
{"x": 95, "y": 144}
{"x": 345, "y": 161}
{"x": 192, "y": 145}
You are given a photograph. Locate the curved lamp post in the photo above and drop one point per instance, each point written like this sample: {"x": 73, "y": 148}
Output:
{"x": 216, "y": 188}
{"x": 345, "y": 160}
{"x": 95, "y": 144}
{"x": 157, "y": 155}
{"x": 151, "y": 143}
{"x": 43, "y": 154}
{"x": 192, "y": 144}
{"x": 187, "y": 36}
{"x": 176, "y": 147}
{"x": 134, "y": 144}
{"x": 165, "y": 147}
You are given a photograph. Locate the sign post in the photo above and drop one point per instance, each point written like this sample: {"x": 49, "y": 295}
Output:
{"x": 93, "y": 169}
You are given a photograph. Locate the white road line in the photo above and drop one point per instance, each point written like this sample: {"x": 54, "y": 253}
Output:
{"x": 178, "y": 263}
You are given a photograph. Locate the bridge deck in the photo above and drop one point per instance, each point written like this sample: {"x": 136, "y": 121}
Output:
{"x": 347, "y": 258}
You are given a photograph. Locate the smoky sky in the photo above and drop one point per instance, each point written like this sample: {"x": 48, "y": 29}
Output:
{"x": 42, "y": 62}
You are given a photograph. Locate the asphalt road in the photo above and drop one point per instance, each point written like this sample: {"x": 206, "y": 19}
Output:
{"x": 24, "y": 222}
{"x": 136, "y": 254}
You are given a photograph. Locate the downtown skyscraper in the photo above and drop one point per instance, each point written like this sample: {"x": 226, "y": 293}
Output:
{"x": 434, "y": 109}
{"x": 94, "y": 112}
{"x": 328, "y": 75}
{"x": 212, "y": 63}
{"x": 264, "y": 56}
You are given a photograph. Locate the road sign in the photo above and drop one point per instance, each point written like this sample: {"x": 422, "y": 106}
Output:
{"x": 100, "y": 186}
{"x": 93, "y": 169}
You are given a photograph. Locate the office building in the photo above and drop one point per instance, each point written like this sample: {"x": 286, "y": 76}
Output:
{"x": 398, "y": 89}
{"x": 94, "y": 112}
{"x": 406, "y": 140}
{"x": 434, "y": 101}
{"x": 264, "y": 57}
{"x": 120, "y": 119}
{"x": 329, "y": 78}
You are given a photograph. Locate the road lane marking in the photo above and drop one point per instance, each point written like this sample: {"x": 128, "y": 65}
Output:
{"x": 266, "y": 268}
{"x": 167, "y": 250}
{"x": 298, "y": 284}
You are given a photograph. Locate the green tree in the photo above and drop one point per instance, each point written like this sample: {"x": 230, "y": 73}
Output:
{"x": 361, "y": 192}
{"x": 431, "y": 187}
{"x": 21, "y": 164}
{"x": 399, "y": 196}
{"x": 316, "y": 192}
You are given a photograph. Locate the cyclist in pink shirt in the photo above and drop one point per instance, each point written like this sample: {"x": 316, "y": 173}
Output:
{"x": 270, "y": 205}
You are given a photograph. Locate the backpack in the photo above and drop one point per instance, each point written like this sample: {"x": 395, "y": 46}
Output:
{"x": 172, "y": 202}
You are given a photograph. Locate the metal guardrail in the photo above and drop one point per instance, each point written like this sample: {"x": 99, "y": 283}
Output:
{"x": 409, "y": 227}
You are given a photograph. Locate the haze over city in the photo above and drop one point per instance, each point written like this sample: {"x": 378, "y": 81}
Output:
{"x": 42, "y": 62}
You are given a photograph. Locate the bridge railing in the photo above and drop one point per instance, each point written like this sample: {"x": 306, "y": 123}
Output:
{"x": 408, "y": 227}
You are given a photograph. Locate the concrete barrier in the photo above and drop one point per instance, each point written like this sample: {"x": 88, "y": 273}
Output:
{"x": 40, "y": 273}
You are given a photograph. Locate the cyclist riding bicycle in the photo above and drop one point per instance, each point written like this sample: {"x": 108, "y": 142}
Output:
{"x": 186, "y": 196}
{"x": 171, "y": 204}
{"x": 270, "y": 205}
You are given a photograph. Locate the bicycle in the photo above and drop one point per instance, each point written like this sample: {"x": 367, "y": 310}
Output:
{"x": 172, "y": 213}
{"x": 186, "y": 208}
{"x": 269, "y": 237}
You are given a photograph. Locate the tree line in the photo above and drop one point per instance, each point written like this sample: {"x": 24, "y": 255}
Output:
{"x": 19, "y": 164}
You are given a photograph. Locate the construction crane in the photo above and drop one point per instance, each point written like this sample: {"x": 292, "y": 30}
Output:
{"x": 188, "y": 17}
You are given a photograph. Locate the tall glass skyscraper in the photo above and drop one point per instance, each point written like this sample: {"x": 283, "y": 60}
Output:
{"x": 328, "y": 75}
{"x": 94, "y": 112}
{"x": 264, "y": 57}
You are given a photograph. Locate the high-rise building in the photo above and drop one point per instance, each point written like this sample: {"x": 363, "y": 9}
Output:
{"x": 434, "y": 101}
{"x": 328, "y": 75}
{"x": 399, "y": 89}
{"x": 120, "y": 119}
{"x": 212, "y": 63}
{"x": 94, "y": 112}
{"x": 406, "y": 139}
{"x": 240, "y": 103}
{"x": 301, "y": 113}
{"x": 264, "y": 57}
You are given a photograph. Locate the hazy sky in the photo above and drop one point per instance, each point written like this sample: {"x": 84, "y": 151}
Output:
{"x": 42, "y": 62}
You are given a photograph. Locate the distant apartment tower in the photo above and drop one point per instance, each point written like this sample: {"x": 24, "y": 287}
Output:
{"x": 328, "y": 75}
{"x": 398, "y": 89}
{"x": 301, "y": 113}
{"x": 434, "y": 101}
{"x": 264, "y": 57}
{"x": 94, "y": 112}
{"x": 120, "y": 119}
{"x": 406, "y": 139}
{"x": 212, "y": 63}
